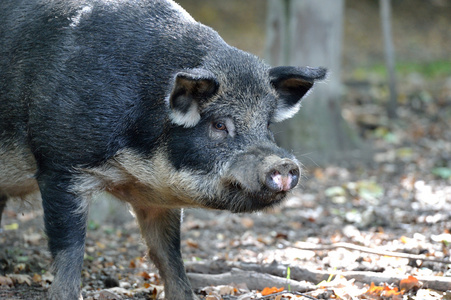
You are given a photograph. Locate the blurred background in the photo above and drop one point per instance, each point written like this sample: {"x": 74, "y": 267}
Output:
{"x": 421, "y": 30}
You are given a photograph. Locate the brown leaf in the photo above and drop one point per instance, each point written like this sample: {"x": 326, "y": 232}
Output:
{"x": 47, "y": 277}
{"x": 6, "y": 281}
{"x": 37, "y": 278}
{"x": 146, "y": 285}
{"x": 247, "y": 222}
{"x": 100, "y": 245}
{"x": 32, "y": 238}
{"x": 144, "y": 275}
{"x": 20, "y": 278}
{"x": 384, "y": 291}
{"x": 268, "y": 291}
{"x": 132, "y": 264}
{"x": 192, "y": 244}
{"x": 409, "y": 283}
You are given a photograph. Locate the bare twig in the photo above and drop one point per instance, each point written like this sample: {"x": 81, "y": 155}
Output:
{"x": 286, "y": 292}
{"x": 308, "y": 246}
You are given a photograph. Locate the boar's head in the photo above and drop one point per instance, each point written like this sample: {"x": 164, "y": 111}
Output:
{"x": 220, "y": 137}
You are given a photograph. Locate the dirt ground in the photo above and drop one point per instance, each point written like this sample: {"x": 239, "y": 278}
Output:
{"x": 375, "y": 225}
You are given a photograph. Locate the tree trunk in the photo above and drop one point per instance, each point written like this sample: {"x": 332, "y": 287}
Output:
{"x": 385, "y": 10}
{"x": 309, "y": 33}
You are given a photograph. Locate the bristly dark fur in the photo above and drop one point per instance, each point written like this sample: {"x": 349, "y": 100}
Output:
{"x": 137, "y": 99}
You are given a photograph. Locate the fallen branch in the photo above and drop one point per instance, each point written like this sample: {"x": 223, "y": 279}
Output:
{"x": 221, "y": 266}
{"x": 253, "y": 280}
{"x": 309, "y": 246}
{"x": 296, "y": 274}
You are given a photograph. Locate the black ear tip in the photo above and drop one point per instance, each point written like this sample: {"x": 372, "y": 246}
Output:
{"x": 321, "y": 73}
{"x": 305, "y": 73}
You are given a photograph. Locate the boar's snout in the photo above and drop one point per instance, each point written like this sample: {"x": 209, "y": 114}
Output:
{"x": 282, "y": 175}
{"x": 257, "y": 170}
{"x": 259, "y": 178}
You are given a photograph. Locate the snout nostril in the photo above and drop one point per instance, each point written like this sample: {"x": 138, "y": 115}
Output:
{"x": 294, "y": 177}
{"x": 283, "y": 177}
{"x": 294, "y": 172}
{"x": 280, "y": 174}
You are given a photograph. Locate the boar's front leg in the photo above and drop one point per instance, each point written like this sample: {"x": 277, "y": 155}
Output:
{"x": 3, "y": 200}
{"x": 65, "y": 215}
{"x": 160, "y": 228}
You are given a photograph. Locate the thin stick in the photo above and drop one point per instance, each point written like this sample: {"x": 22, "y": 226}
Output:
{"x": 349, "y": 246}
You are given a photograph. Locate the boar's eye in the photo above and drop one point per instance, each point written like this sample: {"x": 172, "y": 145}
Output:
{"x": 222, "y": 129}
{"x": 220, "y": 126}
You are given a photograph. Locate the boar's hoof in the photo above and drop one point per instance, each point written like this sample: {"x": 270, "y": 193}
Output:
{"x": 282, "y": 176}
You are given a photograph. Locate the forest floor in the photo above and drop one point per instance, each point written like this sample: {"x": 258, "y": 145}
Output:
{"x": 378, "y": 231}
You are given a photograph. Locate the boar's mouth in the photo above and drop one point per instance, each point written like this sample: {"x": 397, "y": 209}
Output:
{"x": 237, "y": 199}
{"x": 257, "y": 179}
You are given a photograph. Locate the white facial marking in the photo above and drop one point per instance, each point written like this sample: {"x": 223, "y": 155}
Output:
{"x": 189, "y": 119}
{"x": 284, "y": 112}
{"x": 230, "y": 127}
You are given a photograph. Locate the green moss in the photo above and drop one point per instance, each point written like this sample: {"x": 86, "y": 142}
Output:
{"x": 430, "y": 70}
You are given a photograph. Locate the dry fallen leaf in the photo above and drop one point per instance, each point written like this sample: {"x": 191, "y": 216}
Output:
{"x": 132, "y": 264}
{"x": 220, "y": 290}
{"x": 20, "y": 278}
{"x": 384, "y": 291}
{"x": 47, "y": 277}
{"x": 409, "y": 283}
{"x": 268, "y": 291}
{"x": 146, "y": 285}
{"x": 37, "y": 278}
{"x": 100, "y": 245}
{"x": 247, "y": 222}
{"x": 6, "y": 281}
{"x": 144, "y": 275}
{"x": 19, "y": 267}
{"x": 192, "y": 244}
{"x": 32, "y": 238}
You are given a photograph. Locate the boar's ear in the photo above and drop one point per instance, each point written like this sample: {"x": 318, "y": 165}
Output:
{"x": 190, "y": 89}
{"x": 291, "y": 84}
